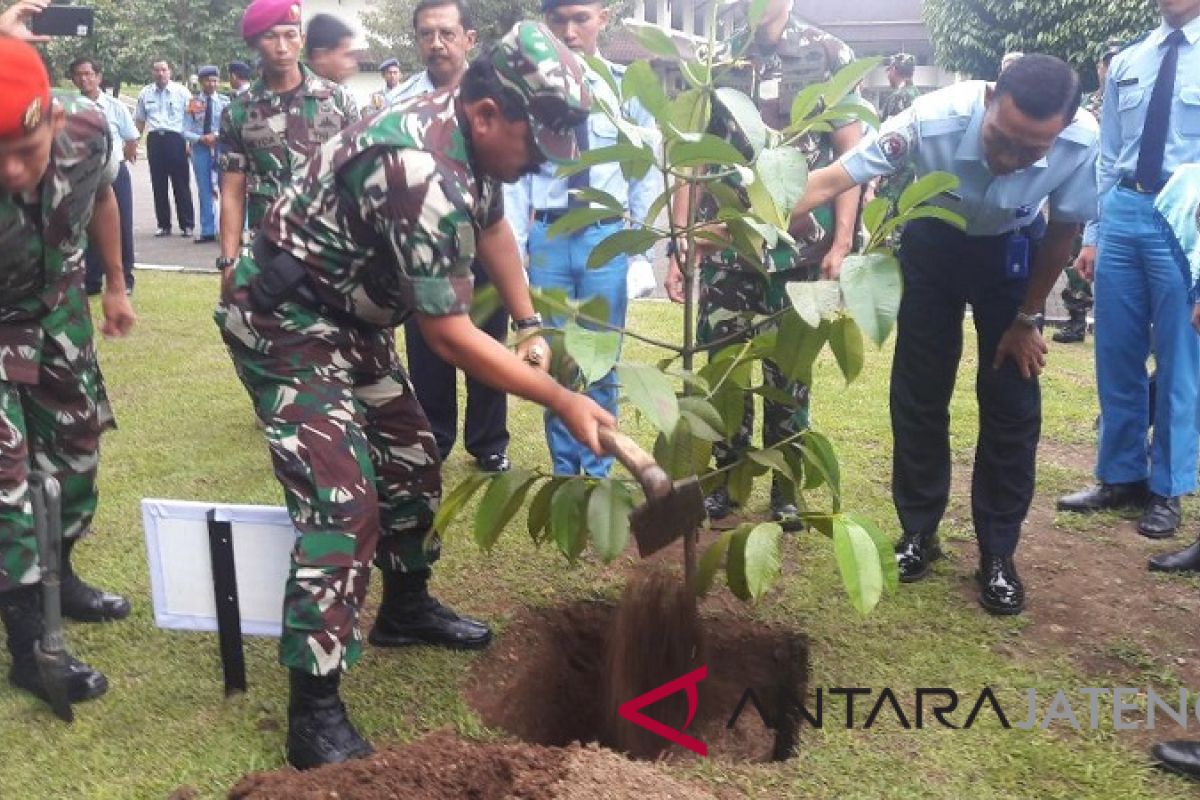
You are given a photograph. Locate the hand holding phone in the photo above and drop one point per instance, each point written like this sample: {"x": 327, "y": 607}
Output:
{"x": 15, "y": 20}
{"x": 57, "y": 20}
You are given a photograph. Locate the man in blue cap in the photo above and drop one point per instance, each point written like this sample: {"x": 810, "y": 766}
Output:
{"x": 239, "y": 78}
{"x": 389, "y": 70}
{"x": 201, "y": 122}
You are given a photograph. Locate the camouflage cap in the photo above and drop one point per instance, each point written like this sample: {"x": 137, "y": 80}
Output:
{"x": 902, "y": 61}
{"x": 530, "y": 61}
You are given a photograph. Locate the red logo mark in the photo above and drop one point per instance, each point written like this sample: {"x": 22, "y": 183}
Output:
{"x": 631, "y": 710}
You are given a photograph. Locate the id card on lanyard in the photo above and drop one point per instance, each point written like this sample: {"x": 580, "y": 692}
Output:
{"x": 1016, "y": 264}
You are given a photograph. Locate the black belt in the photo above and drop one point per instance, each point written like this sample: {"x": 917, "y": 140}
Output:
{"x": 550, "y": 216}
{"x": 1136, "y": 186}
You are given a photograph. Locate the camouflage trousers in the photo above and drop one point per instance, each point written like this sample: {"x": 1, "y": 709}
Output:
{"x": 355, "y": 456}
{"x": 1077, "y": 294}
{"x": 52, "y": 426}
{"x": 731, "y": 302}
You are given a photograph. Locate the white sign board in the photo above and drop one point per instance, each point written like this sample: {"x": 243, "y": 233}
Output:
{"x": 181, "y": 568}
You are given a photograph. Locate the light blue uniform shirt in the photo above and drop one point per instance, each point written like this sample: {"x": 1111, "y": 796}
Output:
{"x": 1131, "y": 77}
{"x": 193, "y": 120}
{"x": 412, "y": 86}
{"x": 162, "y": 109}
{"x": 120, "y": 123}
{"x": 545, "y": 192}
{"x": 942, "y": 131}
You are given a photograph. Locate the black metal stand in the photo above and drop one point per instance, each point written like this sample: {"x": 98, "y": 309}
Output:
{"x": 229, "y": 620}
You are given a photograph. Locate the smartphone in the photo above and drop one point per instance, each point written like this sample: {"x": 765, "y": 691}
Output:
{"x": 63, "y": 21}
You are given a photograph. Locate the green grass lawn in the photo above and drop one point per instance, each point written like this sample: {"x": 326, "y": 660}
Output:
{"x": 186, "y": 432}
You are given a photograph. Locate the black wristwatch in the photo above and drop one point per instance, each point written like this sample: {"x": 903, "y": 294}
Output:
{"x": 528, "y": 322}
{"x": 224, "y": 263}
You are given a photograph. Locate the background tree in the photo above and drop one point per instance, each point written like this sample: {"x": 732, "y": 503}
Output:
{"x": 131, "y": 34}
{"x": 971, "y": 35}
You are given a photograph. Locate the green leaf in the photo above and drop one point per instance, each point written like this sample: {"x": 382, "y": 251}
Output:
{"x": 798, "y": 346}
{"x": 763, "y": 205}
{"x": 926, "y": 188}
{"x": 874, "y": 213}
{"x": 608, "y": 510}
{"x": 651, "y": 393}
{"x": 694, "y": 380}
{"x": 642, "y": 83}
{"x": 844, "y": 81}
{"x": 754, "y": 558}
{"x": 696, "y": 74}
{"x": 485, "y": 303}
{"x": 620, "y": 153}
{"x": 708, "y": 149}
{"x": 821, "y": 465}
{"x": 539, "y": 509}
{"x": 628, "y": 241}
{"x": 776, "y": 395}
{"x": 682, "y": 454}
{"x": 746, "y": 115}
{"x": 872, "y": 285}
{"x": 594, "y": 351}
{"x": 703, "y": 418}
{"x": 885, "y": 548}
{"x": 846, "y": 342}
{"x": 816, "y": 300}
{"x": 784, "y": 173}
{"x": 772, "y": 459}
{"x": 741, "y": 480}
{"x": 926, "y": 212}
{"x": 499, "y": 504}
{"x": 688, "y": 113}
{"x": 805, "y": 102}
{"x": 568, "y": 517}
{"x": 858, "y": 562}
{"x": 652, "y": 38}
{"x": 710, "y": 562}
{"x": 453, "y": 502}
{"x": 595, "y": 308}
{"x": 577, "y": 219}
{"x": 589, "y": 194}
{"x": 599, "y": 66}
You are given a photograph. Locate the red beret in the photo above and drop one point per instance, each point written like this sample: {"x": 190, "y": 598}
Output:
{"x": 262, "y": 15}
{"x": 25, "y": 101}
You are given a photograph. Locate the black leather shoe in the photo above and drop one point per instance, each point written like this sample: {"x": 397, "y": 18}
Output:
{"x": 496, "y": 462}
{"x": 783, "y": 509}
{"x": 161, "y": 232}
{"x": 915, "y": 554}
{"x": 22, "y": 618}
{"x": 1104, "y": 496}
{"x": 426, "y": 621}
{"x": 204, "y": 239}
{"x": 319, "y": 731}
{"x": 718, "y": 504}
{"x": 84, "y": 603}
{"x": 1073, "y": 332}
{"x": 1161, "y": 517}
{"x": 1181, "y": 757}
{"x": 1001, "y": 591}
{"x": 1186, "y": 560}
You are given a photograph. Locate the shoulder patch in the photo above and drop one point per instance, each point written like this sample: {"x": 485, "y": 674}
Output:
{"x": 894, "y": 146}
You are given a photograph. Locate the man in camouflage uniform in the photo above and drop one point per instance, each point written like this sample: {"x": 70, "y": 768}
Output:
{"x": 786, "y": 54}
{"x": 1077, "y": 294}
{"x": 385, "y": 224}
{"x": 268, "y": 133}
{"x": 900, "y": 77}
{"x": 56, "y": 169}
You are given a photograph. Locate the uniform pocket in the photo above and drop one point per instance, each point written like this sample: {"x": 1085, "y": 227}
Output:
{"x": 1129, "y": 109}
{"x": 1189, "y": 111}
{"x": 602, "y": 131}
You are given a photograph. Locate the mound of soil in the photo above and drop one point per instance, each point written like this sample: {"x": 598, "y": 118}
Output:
{"x": 546, "y": 681}
{"x": 443, "y": 767}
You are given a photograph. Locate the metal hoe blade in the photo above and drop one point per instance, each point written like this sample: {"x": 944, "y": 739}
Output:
{"x": 661, "y": 520}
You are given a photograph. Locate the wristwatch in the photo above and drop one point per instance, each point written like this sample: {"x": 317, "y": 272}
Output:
{"x": 1029, "y": 320}
{"x": 224, "y": 263}
{"x": 528, "y": 322}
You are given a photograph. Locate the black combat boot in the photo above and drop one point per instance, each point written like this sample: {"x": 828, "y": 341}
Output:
{"x": 84, "y": 603}
{"x": 409, "y": 615}
{"x": 21, "y": 611}
{"x": 319, "y": 732}
{"x": 718, "y": 504}
{"x": 1075, "y": 330}
{"x": 783, "y": 506}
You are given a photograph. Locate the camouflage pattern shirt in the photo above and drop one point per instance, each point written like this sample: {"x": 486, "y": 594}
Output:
{"x": 386, "y": 216}
{"x": 269, "y": 136}
{"x": 1093, "y": 103}
{"x": 898, "y": 100}
{"x": 43, "y": 233}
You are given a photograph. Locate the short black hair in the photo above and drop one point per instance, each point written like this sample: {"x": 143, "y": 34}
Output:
{"x": 325, "y": 32}
{"x": 481, "y": 82}
{"x": 79, "y": 62}
{"x": 1041, "y": 86}
{"x": 464, "y": 11}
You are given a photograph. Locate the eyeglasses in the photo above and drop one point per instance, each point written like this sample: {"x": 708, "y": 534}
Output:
{"x": 427, "y": 35}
